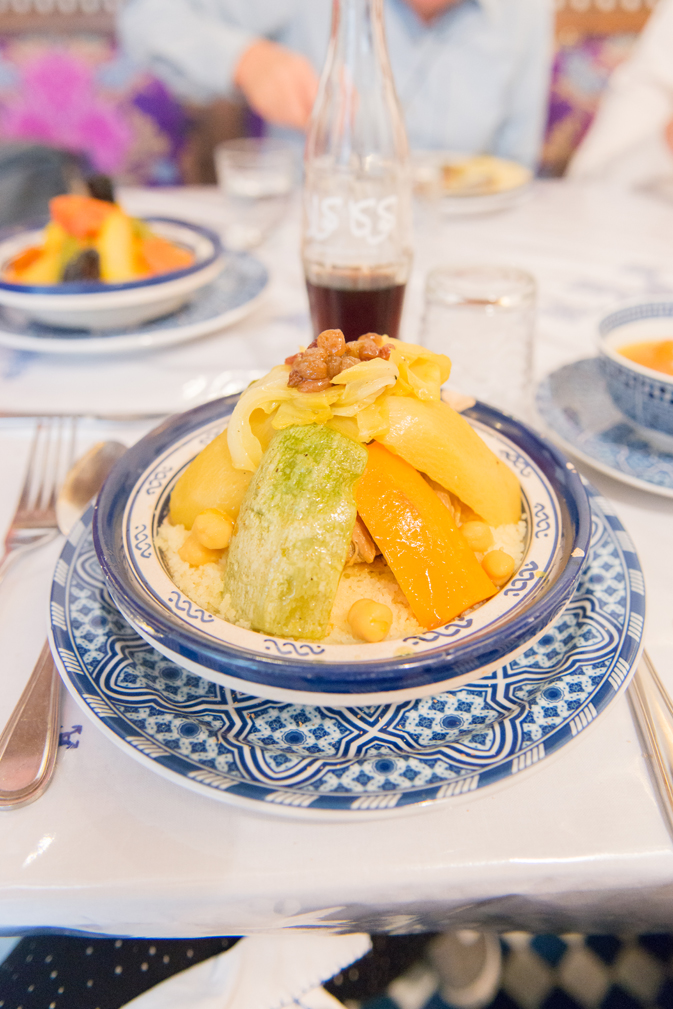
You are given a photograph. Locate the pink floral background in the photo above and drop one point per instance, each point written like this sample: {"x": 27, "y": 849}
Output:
{"x": 80, "y": 95}
{"x": 581, "y": 71}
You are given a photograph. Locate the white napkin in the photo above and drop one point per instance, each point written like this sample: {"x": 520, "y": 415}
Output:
{"x": 260, "y": 972}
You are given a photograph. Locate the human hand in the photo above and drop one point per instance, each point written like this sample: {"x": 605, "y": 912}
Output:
{"x": 428, "y": 10}
{"x": 669, "y": 135}
{"x": 279, "y": 85}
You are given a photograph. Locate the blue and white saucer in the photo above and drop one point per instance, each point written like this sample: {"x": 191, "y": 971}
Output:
{"x": 299, "y": 760}
{"x": 581, "y": 417}
{"x": 232, "y": 296}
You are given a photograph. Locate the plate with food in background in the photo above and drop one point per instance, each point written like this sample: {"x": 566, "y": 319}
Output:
{"x": 94, "y": 267}
{"x": 473, "y": 184}
{"x": 231, "y": 296}
{"x": 341, "y": 535}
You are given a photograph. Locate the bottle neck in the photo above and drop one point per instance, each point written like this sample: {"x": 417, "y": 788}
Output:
{"x": 357, "y": 112}
{"x": 357, "y": 31}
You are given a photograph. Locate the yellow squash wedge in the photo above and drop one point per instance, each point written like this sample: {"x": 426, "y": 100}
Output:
{"x": 438, "y": 441}
{"x": 116, "y": 248}
{"x": 210, "y": 481}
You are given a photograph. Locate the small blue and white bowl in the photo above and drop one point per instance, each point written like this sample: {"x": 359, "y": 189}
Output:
{"x": 645, "y": 396}
{"x": 95, "y": 305}
{"x": 134, "y": 502}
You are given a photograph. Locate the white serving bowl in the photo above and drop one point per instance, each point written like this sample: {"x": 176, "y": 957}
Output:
{"x": 94, "y": 305}
{"x": 135, "y": 499}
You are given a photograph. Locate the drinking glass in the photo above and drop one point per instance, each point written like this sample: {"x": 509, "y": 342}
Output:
{"x": 256, "y": 176}
{"x": 483, "y": 318}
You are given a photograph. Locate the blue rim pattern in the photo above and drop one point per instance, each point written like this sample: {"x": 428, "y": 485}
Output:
{"x": 575, "y": 404}
{"x": 448, "y": 660}
{"x": 202, "y": 736}
{"x": 243, "y": 278}
{"x": 96, "y": 287}
{"x": 635, "y": 313}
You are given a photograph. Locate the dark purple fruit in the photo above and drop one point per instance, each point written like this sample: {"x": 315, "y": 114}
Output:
{"x": 84, "y": 266}
{"x": 101, "y": 188}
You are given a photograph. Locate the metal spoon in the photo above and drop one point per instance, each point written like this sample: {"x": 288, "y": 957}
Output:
{"x": 84, "y": 480}
{"x": 29, "y": 741}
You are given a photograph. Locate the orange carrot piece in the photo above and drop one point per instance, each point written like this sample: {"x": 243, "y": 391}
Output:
{"x": 429, "y": 556}
{"x": 162, "y": 256}
{"x": 14, "y": 269}
{"x": 81, "y": 216}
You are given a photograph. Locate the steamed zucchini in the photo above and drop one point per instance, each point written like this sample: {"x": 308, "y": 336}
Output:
{"x": 293, "y": 533}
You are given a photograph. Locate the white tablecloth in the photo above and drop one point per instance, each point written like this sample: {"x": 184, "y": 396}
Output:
{"x": 574, "y": 843}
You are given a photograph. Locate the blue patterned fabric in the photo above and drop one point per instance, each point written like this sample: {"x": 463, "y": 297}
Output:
{"x": 561, "y": 972}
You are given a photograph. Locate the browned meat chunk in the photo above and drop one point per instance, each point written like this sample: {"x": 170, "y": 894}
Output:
{"x": 363, "y": 549}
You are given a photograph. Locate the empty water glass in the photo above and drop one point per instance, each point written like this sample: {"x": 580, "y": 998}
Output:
{"x": 256, "y": 176}
{"x": 483, "y": 318}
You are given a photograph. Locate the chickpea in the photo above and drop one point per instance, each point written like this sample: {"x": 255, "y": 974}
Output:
{"x": 195, "y": 554}
{"x": 213, "y": 529}
{"x": 478, "y": 535}
{"x": 370, "y": 621}
{"x": 499, "y": 566}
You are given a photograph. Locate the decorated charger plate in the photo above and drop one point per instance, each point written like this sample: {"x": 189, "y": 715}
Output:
{"x": 233, "y": 295}
{"x": 580, "y": 415}
{"x": 135, "y": 500}
{"x": 343, "y": 763}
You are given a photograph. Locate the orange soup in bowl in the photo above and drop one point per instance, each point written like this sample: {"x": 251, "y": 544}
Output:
{"x": 655, "y": 354}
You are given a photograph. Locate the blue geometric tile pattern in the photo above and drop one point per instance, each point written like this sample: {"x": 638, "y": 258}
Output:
{"x": 576, "y": 406}
{"x": 542, "y": 972}
{"x": 244, "y": 749}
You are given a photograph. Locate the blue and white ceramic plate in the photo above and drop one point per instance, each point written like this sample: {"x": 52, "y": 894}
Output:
{"x": 135, "y": 500}
{"x": 297, "y": 760}
{"x": 104, "y": 305}
{"x": 581, "y": 416}
{"x": 230, "y": 297}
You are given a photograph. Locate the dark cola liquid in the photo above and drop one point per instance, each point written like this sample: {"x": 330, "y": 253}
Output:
{"x": 355, "y": 310}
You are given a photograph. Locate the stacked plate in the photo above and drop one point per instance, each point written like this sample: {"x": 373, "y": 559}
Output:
{"x": 612, "y": 413}
{"x": 217, "y": 290}
{"x": 310, "y": 729}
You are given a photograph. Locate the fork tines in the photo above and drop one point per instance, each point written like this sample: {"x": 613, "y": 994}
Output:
{"x": 51, "y": 455}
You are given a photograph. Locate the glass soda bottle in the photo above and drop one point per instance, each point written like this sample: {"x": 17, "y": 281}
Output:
{"x": 356, "y": 242}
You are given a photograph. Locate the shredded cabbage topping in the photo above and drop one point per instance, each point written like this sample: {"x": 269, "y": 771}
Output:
{"x": 354, "y": 404}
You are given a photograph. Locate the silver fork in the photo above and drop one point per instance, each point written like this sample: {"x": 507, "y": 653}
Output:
{"x": 51, "y": 455}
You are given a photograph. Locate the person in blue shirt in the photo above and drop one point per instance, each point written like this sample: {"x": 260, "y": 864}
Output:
{"x": 472, "y": 75}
